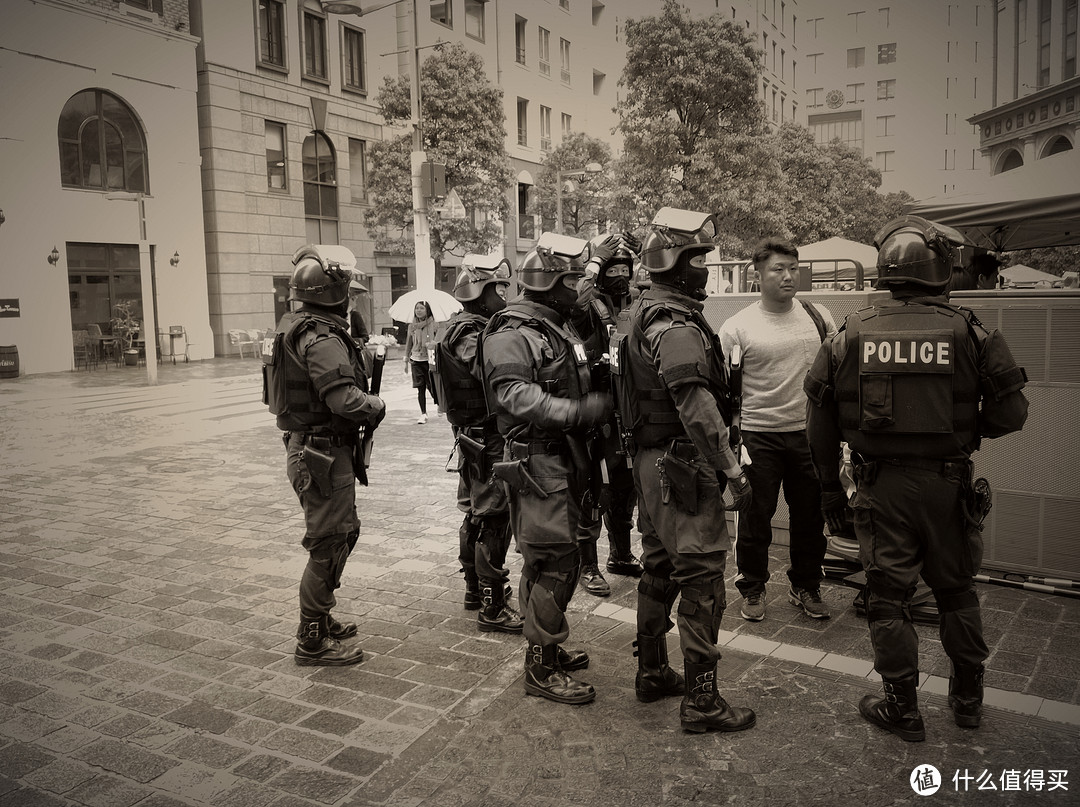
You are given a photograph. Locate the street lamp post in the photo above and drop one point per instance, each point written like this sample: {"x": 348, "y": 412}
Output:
{"x": 562, "y": 176}
{"x": 146, "y": 283}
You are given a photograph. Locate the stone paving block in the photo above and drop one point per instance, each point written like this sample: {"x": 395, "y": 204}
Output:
{"x": 124, "y": 725}
{"x": 300, "y": 743}
{"x": 207, "y": 751}
{"x": 312, "y": 783}
{"x": 17, "y": 759}
{"x": 195, "y": 664}
{"x": 31, "y": 797}
{"x": 334, "y": 723}
{"x": 201, "y": 716}
{"x": 67, "y": 739}
{"x": 278, "y": 710}
{"x": 255, "y": 658}
{"x": 121, "y": 758}
{"x": 156, "y": 735}
{"x": 261, "y": 767}
{"x": 59, "y": 776}
{"x": 195, "y": 783}
{"x": 28, "y": 726}
{"x": 18, "y": 691}
{"x": 357, "y": 761}
{"x": 227, "y": 697}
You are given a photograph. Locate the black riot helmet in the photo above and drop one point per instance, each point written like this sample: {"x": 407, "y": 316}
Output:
{"x": 477, "y": 271}
{"x": 672, "y": 234}
{"x": 914, "y": 251}
{"x": 317, "y": 281}
{"x": 553, "y": 257}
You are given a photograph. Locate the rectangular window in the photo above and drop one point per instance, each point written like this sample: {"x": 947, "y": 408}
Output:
{"x": 358, "y": 170}
{"x": 886, "y": 90}
{"x": 275, "y": 155}
{"x": 1068, "y": 41}
{"x": 783, "y": 11}
{"x": 814, "y": 96}
{"x": 885, "y": 125}
{"x": 883, "y": 16}
{"x": 597, "y": 12}
{"x": 813, "y": 23}
{"x": 855, "y": 93}
{"x": 442, "y": 12}
{"x": 783, "y": 59}
{"x": 474, "y": 19}
{"x": 855, "y": 19}
{"x": 884, "y": 161}
{"x": 523, "y": 122}
{"x": 597, "y": 82}
{"x": 526, "y": 222}
{"x": 567, "y": 126}
{"x": 1044, "y": 42}
{"x": 886, "y": 54}
{"x": 545, "y": 128}
{"x": 519, "y": 39}
{"x": 314, "y": 45}
{"x": 813, "y": 57}
{"x": 544, "y": 55}
{"x": 564, "y": 5}
{"x": 764, "y": 50}
{"x": 564, "y": 60}
{"x": 353, "y": 74}
{"x": 272, "y": 33}
{"x": 856, "y": 57}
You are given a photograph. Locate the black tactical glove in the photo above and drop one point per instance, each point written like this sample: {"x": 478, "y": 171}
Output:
{"x": 632, "y": 243}
{"x": 594, "y": 408}
{"x": 741, "y": 493}
{"x": 834, "y": 504}
{"x": 605, "y": 250}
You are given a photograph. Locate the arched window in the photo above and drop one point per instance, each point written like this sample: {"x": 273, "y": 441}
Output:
{"x": 1011, "y": 160}
{"x": 1057, "y": 145}
{"x": 102, "y": 145}
{"x": 320, "y": 189}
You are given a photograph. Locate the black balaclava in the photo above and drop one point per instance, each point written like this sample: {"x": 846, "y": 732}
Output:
{"x": 690, "y": 280}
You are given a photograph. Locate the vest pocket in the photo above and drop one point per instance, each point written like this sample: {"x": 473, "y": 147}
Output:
{"x": 876, "y": 393}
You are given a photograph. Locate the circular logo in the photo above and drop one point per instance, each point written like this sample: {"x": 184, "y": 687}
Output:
{"x": 925, "y": 780}
{"x": 834, "y": 98}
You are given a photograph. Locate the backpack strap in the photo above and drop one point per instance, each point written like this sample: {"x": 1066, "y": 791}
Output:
{"x": 815, "y": 315}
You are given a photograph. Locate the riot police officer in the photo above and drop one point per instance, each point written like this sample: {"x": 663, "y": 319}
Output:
{"x": 536, "y": 373}
{"x": 484, "y": 536}
{"x": 673, "y": 395}
{"x": 314, "y": 382}
{"x": 912, "y": 384}
{"x": 602, "y": 295}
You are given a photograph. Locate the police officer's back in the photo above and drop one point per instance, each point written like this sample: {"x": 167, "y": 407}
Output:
{"x": 912, "y": 385}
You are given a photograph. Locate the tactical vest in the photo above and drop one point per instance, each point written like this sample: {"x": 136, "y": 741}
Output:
{"x": 909, "y": 383}
{"x": 567, "y": 376}
{"x": 460, "y": 393}
{"x": 645, "y": 404}
{"x": 287, "y": 386}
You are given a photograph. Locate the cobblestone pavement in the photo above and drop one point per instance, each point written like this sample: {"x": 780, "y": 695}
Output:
{"x": 149, "y": 551}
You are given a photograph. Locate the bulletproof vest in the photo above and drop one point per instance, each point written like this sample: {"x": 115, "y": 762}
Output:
{"x": 288, "y": 389}
{"x": 909, "y": 384}
{"x": 645, "y": 404}
{"x": 566, "y": 376}
{"x": 460, "y": 393}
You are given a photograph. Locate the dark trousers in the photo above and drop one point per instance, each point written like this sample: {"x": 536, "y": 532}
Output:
{"x": 780, "y": 458}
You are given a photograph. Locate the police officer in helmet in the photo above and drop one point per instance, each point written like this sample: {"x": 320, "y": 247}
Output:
{"x": 484, "y": 536}
{"x": 673, "y": 394}
{"x": 913, "y": 384}
{"x": 602, "y": 295}
{"x": 314, "y": 382}
{"x": 536, "y": 373}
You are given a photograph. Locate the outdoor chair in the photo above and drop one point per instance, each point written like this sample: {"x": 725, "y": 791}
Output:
{"x": 241, "y": 339}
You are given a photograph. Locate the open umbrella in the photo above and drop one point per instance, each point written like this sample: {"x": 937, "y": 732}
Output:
{"x": 443, "y": 305}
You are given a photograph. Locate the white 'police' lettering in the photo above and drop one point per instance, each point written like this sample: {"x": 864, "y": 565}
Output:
{"x": 917, "y": 352}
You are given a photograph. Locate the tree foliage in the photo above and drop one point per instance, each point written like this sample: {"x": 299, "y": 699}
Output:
{"x": 464, "y": 128}
{"x": 1053, "y": 260}
{"x": 586, "y": 199}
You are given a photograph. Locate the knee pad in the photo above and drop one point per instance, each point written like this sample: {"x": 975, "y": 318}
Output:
{"x": 660, "y": 589}
{"x": 956, "y": 599}
{"x": 560, "y": 584}
{"x": 703, "y": 601}
{"x": 331, "y": 555}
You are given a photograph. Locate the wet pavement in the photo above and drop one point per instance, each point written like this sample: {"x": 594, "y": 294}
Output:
{"x": 149, "y": 556}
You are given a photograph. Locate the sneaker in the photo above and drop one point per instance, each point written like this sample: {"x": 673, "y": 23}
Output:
{"x": 421, "y": 420}
{"x": 753, "y": 607}
{"x": 809, "y": 601}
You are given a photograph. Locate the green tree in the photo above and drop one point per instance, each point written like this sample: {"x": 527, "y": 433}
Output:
{"x": 692, "y": 126}
{"x": 1053, "y": 260}
{"x": 464, "y": 128}
{"x": 585, "y": 200}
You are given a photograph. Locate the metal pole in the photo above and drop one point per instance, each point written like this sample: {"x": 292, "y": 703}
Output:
{"x": 558, "y": 202}
{"x": 146, "y": 281}
{"x": 425, "y": 266}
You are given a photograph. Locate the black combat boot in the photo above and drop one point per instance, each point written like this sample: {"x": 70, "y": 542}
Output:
{"x": 655, "y": 679}
{"x": 340, "y": 630}
{"x": 704, "y": 710}
{"x": 591, "y": 578}
{"x": 472, "y": 593}
{"x": 496, "y": 615}
{"x": 543, "y": 677}
{"x": 898, "y": 711}
{"x": 316, "y": 648}
{"x": 620, "y": 559}
{"x": 966, "y": 695}
{"x": 571, "y": 659}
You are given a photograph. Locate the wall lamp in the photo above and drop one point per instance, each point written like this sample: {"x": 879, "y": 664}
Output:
{"x": 3, "y": 218}
{"x": 175, "y": 259}
{"x": 54, "y": 257}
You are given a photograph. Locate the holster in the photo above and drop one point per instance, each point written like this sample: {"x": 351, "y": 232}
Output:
{"x": 681, "y": 474}
{"x": 471, "y": 448}
{"x": 319, "y": 463}
{"x": 517, "y": 476}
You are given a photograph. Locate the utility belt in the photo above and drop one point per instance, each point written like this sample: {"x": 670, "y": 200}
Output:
{"x": 679, "y": 476}
{"x": 321, "y": 440}
{"x": 867, "y": 468}
{"x": 520, "y": 449}
{"x": 318, "y": 459}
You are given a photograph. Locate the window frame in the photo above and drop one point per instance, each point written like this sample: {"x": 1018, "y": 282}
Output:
{"x": 307, "y": 14}
{"x": 481, "y": 7}
{"x": 283, "y": 128}
{"x": 448, "y": 8}
{"x": 364, "y": 197}
{"x": 856, "y": 57}
{"x": 345, "y": 31}
{"x": 522, "y": 121}
{"x": 564, "y": 61}
{"x": 545, "y": 128}
{"x": 886, "y": 53}
{"x": 132, "y": 155}
{"x": 260, "y": 28}
{"x": 543, "y": 46}
{"x": 520, "y": 51}
{"x": 320, "y": 137}
{"x": 888, "y": 85}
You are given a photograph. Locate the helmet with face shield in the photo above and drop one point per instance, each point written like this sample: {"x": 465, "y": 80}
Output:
{"x": 554, "y": 257}
{"x": 676, "y": 233}
{"x": 477, "y": 271}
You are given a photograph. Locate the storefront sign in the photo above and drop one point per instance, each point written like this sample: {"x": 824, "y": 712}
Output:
{"x": 9, "y": 308}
